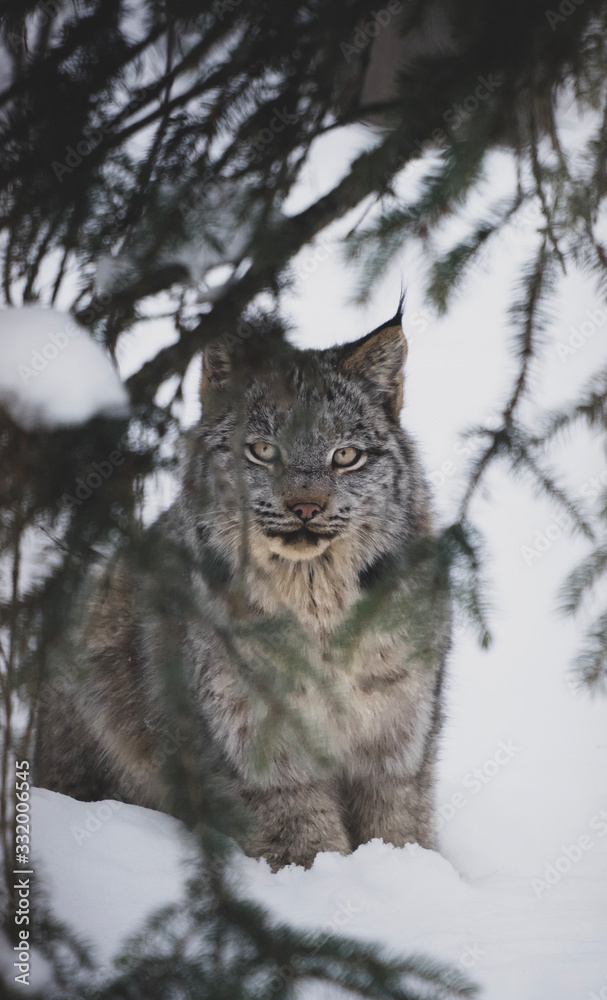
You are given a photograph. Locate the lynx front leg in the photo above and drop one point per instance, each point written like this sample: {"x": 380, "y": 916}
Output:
{"x": 292, "y": 823}
{"x": 381, "y": 804}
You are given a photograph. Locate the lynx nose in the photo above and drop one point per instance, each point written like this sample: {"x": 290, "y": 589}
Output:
{"x": 306, "y": 511}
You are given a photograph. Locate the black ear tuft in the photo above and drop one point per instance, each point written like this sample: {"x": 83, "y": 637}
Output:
{"x": 397, "y": 319}
{"x": 379, "y": 358}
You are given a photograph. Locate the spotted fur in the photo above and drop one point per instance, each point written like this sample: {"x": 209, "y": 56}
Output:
{"x": 339, "y": 746}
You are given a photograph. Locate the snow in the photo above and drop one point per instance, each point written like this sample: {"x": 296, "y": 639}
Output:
{"x": 104, "y": 852}
{"x": 53, "y": 374}
{"x": 108, "y": 865}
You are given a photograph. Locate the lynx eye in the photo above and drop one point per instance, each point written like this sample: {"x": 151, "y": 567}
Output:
{"x": 263, "y": 451}
{"x": 348, "y": 458}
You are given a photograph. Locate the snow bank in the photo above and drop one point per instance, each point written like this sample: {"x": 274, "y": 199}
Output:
{"x": 52, "y": 374}
{"x": 108, "y": 865}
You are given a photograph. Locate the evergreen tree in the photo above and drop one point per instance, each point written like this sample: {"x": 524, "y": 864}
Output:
{"x": 146, "y": 143}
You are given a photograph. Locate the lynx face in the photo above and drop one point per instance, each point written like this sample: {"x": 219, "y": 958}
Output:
{"x": 305, "y": 454}
{"x": 312, "y": 465}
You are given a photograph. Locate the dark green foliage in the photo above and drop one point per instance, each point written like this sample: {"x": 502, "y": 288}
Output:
{"x": 450, "y": 270}
{"x": 199, "y": 117}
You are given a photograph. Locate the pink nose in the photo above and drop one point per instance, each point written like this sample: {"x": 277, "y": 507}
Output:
{"x": 306, "y": 511}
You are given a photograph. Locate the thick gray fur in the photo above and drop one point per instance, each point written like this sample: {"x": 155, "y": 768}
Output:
{"x": 348, "y": 751}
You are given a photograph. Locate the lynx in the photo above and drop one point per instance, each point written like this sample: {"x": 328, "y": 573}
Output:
{"x": 301, "y": 497}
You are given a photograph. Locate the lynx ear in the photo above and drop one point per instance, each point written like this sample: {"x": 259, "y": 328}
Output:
{"x": 216, "y": 365}
{"x": 379, "y": 358}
